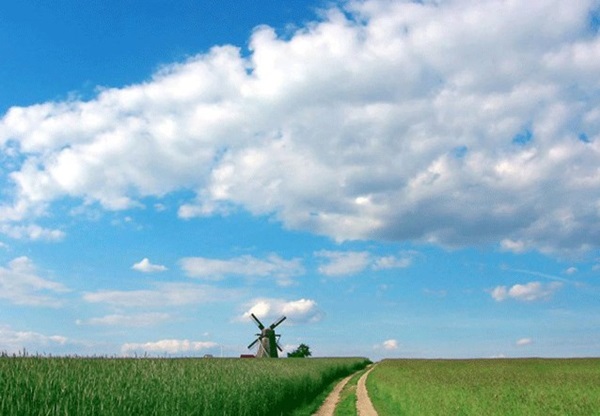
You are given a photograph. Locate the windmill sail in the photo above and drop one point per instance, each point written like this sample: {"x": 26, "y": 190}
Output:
{"x": 280, "y": 320}
{"x": 258, "y": 323}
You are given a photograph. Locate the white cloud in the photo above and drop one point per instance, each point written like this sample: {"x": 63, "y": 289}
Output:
{"x": 524, "y": 342}
{"x": 31, "y": 232}
{"x": 514, "y": 246}
{"x": 296, "y": 311}
{"x": 340, "y": 263}
{"x": 169, "y": 346}
{"x": 571, "y": 270}
{"x": 394, "y": 262}
{"x": 13, "y": 341}
{"x": 20, "y": 285}
{"x": 162, "y": 294}
{"x": 453, "y": 123}
{"x": 215, "y": 269}
{"x": 387, "y": 345}
{"x": 528, "y": 292}
{"x": 136, "y": 320}
{"x": 390, "y": 345}
{"x": 145, "y": 266}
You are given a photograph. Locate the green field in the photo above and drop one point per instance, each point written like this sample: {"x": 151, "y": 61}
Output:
{"x": 486, "y": 387}
{"x": 145, "y": 386}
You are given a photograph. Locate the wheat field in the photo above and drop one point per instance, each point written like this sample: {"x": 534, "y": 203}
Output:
{"x": 153, "y": 386}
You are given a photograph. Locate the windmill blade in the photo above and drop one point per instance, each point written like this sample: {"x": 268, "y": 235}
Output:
{"x": 253, "y": 344}
{"x": 260, "y": 325}
{"x": 277, "y": 336}
{"x": 276, "y": 323}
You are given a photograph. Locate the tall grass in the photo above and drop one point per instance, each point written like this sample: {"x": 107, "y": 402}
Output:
{"x": 486, "y": 387}
{"x": 101, "y": 386}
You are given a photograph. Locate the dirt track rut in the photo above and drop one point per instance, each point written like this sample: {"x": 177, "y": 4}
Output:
{"x": 364, "y": 407}
{"x": 328, "y": 406}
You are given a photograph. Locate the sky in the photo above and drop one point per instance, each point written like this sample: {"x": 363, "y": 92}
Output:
{"x": 411, "y": 179}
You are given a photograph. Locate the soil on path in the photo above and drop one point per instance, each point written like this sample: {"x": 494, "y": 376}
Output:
{"x": 328, "y": 406}
{"x": 364, "y": 407}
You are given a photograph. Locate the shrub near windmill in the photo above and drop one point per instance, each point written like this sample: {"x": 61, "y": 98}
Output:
{"x": 303, "y": 351}
{"x": 267, "y": 339}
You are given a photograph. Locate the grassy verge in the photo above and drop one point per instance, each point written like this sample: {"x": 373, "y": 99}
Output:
{"x": 486, "y": 387}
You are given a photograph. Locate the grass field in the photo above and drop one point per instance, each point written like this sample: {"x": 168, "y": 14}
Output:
{"x": 105, "y": 386}
{"x": 486, "y": 387}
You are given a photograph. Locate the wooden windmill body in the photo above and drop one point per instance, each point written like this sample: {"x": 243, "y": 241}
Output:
{"x": 267, "y": 339}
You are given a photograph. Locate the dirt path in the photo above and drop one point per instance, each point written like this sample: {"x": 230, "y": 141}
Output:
{"x": 328, "y": 406}
{"x": 364, "y": 406}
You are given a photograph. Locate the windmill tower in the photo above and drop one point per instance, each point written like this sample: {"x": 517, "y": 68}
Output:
{"x": 267, "y": 339}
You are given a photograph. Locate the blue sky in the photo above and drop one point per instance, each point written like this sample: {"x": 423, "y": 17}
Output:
{"x": 400, "y": 179}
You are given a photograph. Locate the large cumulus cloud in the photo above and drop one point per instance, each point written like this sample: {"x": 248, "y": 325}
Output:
{"x": 456, "y": 123}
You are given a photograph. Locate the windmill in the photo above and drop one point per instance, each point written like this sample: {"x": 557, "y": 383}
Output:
{"x": 267, "y": 339}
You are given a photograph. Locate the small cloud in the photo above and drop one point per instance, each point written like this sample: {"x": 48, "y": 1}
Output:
{"x": 342, "y": 263}
{"x": 215, "y": 269}
{"x": 170, "y": 346}
{"x": 296, "y": 311}
{"x": 21, "y": 285}
{"x": 528, "y": 292}
{"x": 387, "y": 345}
{"x": 188, "y": 211}
{"x": 393, "y": 262}
{"x": 499, "y": 293}
{"x": 390, "y": 345}
{"x": 145, "y": 266}
{"x": 524, "y": 342}
{"x": 571, "y": 270}
{"x": 31, "y": 232}
{"x": 514, "y": 246}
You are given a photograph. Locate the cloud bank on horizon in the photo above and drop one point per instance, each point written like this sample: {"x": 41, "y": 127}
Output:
{"x": 455, "y": 123}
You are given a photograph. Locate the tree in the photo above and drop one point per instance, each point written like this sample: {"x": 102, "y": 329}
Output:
{"x": 302, "y": 351}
